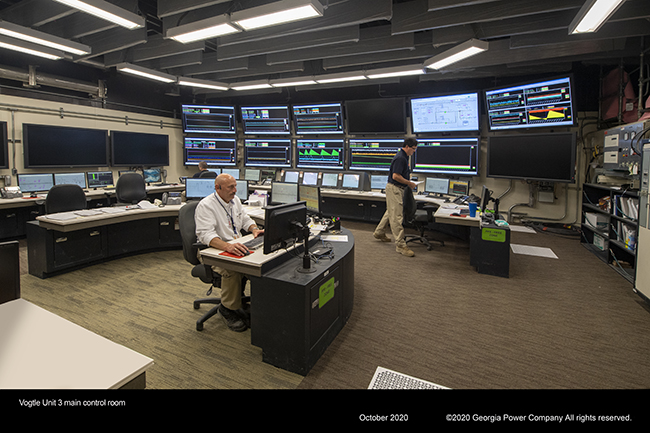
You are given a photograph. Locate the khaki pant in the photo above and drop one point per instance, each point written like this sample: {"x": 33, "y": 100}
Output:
{"x": 393, "y": 215}
{"x": 231, "y": 288}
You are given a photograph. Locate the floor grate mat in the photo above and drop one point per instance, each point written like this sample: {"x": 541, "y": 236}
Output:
{"x": 387, "y": 379}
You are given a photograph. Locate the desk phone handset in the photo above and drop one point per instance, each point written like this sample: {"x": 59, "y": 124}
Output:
{"x": 460, "y": 199}
{"x": 11, "y": 192}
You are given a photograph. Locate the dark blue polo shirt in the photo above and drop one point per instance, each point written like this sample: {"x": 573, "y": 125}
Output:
{"x": 399, "y": 165}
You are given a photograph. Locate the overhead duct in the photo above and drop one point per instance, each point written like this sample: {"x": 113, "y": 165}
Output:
{"x": 32, "y": 78}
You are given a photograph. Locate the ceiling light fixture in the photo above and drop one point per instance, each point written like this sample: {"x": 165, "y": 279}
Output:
{"x": 592, "y": 15}
{"x": 205, "y": 84}
{"x": 40, "y": 38}
{"x": 29, "y": 48}
{"x": 250, "y": 85}
{"x": 107, "y": 11}
{"x": 459, "y": 52}
{"x": 145, "y": 72}
{"x": 297, "y": 81}
{"x": 340, "y": 77}
{"x": 399, "y": 71}
{"x": 275, "y": 13}
{"x": 203, "y": 29}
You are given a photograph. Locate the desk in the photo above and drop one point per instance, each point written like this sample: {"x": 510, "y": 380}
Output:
{"x": 41, "y": 350}
{"x": 56, "y": 246}
{"x": 294, "y": 315}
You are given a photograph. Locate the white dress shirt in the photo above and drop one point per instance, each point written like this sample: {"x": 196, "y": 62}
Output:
{"x": 214, "y": 218}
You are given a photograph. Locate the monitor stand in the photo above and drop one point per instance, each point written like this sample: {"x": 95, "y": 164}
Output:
{"x": 306, "y": 260}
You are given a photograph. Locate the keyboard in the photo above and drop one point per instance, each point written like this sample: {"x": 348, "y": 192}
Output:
{"x": 255, "y": 243}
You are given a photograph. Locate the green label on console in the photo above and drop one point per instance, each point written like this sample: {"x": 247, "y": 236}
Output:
{"x": 326, "y": 292}
{"x": 493, "y": 235}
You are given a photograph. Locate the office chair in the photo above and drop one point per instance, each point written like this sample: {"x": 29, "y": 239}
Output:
{"x": 417, "y": 219}
{"x": 130, "y": 188}
{"x": 64, "y": 198}
{"x": 9, "y": 271}
{"x": 203, "y": 272}
{"x": 208, "y": 174}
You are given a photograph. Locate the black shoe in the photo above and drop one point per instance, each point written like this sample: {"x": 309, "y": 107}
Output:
{"x": 232, "y": 319}
{"x": 245, "y": 313}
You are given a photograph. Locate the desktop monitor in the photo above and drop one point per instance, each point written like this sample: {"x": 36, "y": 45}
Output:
{"x": 446, "y": 113}
{"x": 70, "y": 178}
{"x": 198, "y": 188}
{"x": 234, "y": 172}
{"x": 318, "y": 118}
{"x": 152, "y": 175}
{"x": 311, "y": 196}
{"x": 330, "y": 180}
{"x": 283, "y": 225}
{"x": 265, "y": 119}
{"x": 310, "y": 178}
{"x": 378, "y": 181}
{"x": 458, "y": 187}
{"x": 351, "y": 181}
{"x": 242, "y": 190}
{"x": 284, "y": 192}
{"x": 100, "y": 179}
{"x": 538, "y": 104}
{"x": 209, "y": 119}
{"x": 291, "y": 176}
{"x": 35, "y": 182}
{"x": 486, "y": 196}
{"x": 252, "y": 174}
{"x": 436, "y": 185}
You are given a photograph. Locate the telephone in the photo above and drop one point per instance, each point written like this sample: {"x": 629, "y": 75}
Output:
{"x": 11, "y": 192}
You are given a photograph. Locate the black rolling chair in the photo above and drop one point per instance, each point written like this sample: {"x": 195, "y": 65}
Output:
{"x": 203, "y": 272}
{"x": 130, "y": 188}
{"x": 417, "y": 219}
{"x": 209, "y": 174}
{"x": 65, "y": 198}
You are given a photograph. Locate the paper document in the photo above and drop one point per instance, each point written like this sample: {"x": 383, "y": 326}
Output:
{"x": 88, "y": 212}
{"x": 334, "y": 238}
{"x": 533, "y": 251}
{"x": 113, "y": 209}
{"x": 61, "y": 216}
{"x": 144, "y": 204}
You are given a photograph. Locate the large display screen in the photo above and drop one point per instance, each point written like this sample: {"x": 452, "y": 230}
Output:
{"x": 545, "y": 157}
{"x": 130, "y": 149}
{"x": 376, "y": 116}
{"x": 265, "y": 120}
{"x": 534, "y": 105}
{"x": 64, "y": 146}
{"x": 447, "y": 155}
{"x": 327, "y": 154}
{"x": 214, "y": 151}
{"x": 209, "y": 119}
{"x": 267, "y": 153}
{"x": 318, "y": 118}
{"x": 373, "y": 155}
{"x": 4, "y": 146}
{"x": 446, "y": 113}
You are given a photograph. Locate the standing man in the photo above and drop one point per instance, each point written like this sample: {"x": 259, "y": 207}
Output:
{"x": 399, "y": 177}
{"x": 219, "y": 218}
{"x": 202, "y": 167}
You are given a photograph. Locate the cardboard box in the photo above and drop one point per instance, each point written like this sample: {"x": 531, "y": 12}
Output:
{"x": 600, "y": 242}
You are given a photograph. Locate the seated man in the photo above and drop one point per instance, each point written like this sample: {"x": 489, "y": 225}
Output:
{"x": 219, "y": 218}
{"x": 202, "y": 167}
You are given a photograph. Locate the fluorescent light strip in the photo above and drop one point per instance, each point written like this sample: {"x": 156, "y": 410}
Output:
{"x": 145, "y": 73}
{"x": 596, "y": 16}
{"x": 206, "y": 33}
{"x": 468, "y": 52}
{"x": 395, "y": 73}
{"x": 279, "y": 12}
{"x": 250, "y": 86}
{"x": 39, "y": 38}
{"x": 29, "y": 51}
{"x": 105, "y": 13}
{"x": 340, "y": 79}
{"x": 293, "y": 83}
{"x": 204, "y": 85}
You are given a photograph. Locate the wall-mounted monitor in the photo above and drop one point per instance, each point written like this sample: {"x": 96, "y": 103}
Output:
{"x": 267, "y": 153}
{"x": 35, "y": 182}
{"x": 70, "y": 178}
{"x": 4, "y": 146}
{"x": 541, "y": 157}
{"x": 129, "y": 149}
{"x": 327, "y": 154}
{"x": 64, "y": 146}
{"x": 544, "y": 103}
{"x": 214, "y": 151}
{"x": 373, "y": 155}
{"x": 265, "y": 120}
{"x": 209, "y": 119}
{"x": 447, "y": 155}
{"x": 447, "y": 113}
{"x": 318, "y": 118}
{"x": 376, "y": 116}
